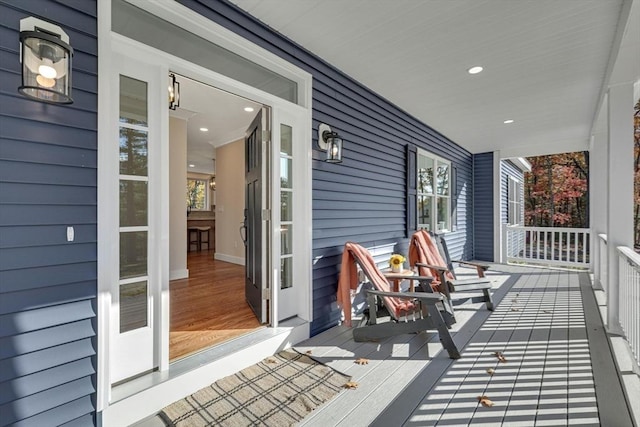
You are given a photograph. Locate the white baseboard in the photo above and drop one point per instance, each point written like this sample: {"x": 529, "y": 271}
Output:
{"x": 179, "y": 274}
{"x": 229, "y": 258}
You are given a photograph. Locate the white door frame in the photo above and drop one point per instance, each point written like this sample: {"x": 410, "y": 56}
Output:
{"x": 111, "y": 42}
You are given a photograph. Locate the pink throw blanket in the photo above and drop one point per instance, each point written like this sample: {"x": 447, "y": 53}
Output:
{"x": 424, "y": 250}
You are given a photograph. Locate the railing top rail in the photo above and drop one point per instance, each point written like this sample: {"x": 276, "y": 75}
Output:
{"x": 603, "y": 236}
{"x": 630, "y": 254}
{"x": 557, "y": 229}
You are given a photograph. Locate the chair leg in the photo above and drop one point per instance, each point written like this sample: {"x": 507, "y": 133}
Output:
{"x": 488, "y": 299}
{"x": 443, "y": 332}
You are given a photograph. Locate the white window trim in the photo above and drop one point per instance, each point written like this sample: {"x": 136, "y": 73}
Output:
{"x": 514, "y": 188}
{"x": 436, "y": 160}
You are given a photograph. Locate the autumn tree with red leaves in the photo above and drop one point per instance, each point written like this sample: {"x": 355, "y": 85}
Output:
{"x": 636, "y": 180}
{"x": 556, "y": 191}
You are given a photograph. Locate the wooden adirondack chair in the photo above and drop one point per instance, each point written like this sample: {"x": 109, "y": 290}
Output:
{"x": 407, "y": 312}
{"x": 425, "y": 255}
{"x": 444, "y": 252}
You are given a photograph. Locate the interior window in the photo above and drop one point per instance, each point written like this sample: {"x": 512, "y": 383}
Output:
{"x": 197, "y": 194}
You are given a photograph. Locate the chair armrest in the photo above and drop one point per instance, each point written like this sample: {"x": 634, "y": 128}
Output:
{"x": 484, "y": 267}
{"x": 407, "y": 295}
{"x": 434, "y": 267}
{"x": 480, "y": 268}
{"x": 428, "y": 279}
{"x": 401, "y": 276}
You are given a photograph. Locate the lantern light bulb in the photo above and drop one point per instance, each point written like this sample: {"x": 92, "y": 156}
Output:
{"x": 45, "y": 82}
{"x": 47, "y": 70}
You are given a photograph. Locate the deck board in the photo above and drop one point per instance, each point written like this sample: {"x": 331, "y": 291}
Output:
{"x": 539, "y": 325}
{"x": 559, "y": 368}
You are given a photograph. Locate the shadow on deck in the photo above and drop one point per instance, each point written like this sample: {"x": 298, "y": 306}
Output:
{"x": 558, "y": 371}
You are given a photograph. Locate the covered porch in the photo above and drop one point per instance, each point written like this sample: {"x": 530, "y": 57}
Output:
{"x": 559, "y": 368}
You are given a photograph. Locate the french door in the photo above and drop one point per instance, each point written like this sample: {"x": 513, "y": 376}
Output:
{"x": 257, "y": 215}
{"x": 135, "y": 283}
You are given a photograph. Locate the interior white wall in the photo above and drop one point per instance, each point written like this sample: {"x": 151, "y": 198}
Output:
{"x": 230, "y": 202}
{"x": 177, "y": 208}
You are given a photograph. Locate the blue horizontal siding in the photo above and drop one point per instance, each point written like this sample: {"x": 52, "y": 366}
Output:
{"x": 364, "y": 198}
{"x": 483, "y": 206}
{"x": 48, "y": 170}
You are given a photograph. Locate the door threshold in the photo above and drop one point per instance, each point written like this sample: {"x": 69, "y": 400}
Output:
{"x": 146, "y": 395}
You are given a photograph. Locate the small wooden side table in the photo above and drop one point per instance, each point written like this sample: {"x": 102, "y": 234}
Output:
{"x": 396, "y": 278}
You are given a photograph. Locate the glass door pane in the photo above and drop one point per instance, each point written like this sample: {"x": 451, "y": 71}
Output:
{"x": 134, "y": 203}
{"x": 286, "y": 206}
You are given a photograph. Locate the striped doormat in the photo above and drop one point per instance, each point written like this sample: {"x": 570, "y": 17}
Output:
{"x": 278, "y": 391}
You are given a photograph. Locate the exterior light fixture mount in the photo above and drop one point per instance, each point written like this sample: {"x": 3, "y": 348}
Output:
{"x": 45, "y": 55}
{"x": 330, "y": 142}
{"x": 174, "y": 92}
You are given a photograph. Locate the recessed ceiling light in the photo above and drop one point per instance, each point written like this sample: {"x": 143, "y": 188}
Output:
{"x": 248, "y": 109}
{"x": 475, "y": 70}
{"x": 508, "y": 122}
{"x": 192, "y": 166}
{"x": 204, "y": 129}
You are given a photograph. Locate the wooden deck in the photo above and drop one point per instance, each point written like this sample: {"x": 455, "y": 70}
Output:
{"x": 558, "y": 369}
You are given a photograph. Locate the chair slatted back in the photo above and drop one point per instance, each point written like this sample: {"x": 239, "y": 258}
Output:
{"x": 396, "y": 307}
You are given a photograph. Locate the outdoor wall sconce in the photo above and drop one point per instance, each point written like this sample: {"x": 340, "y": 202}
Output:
{"x": 174, "y": 92}
{"x": 45, "y": 55}
{"x": 330, "y": 142}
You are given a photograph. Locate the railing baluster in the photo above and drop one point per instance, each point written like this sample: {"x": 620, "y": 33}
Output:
{"x": 629, "y": 294}
{"x": 548, "y": 245}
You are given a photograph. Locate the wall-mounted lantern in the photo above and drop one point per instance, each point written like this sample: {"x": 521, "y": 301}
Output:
{"x": 45, "y": 54}
{"x": 330, "y": 142}
{"x": 174, "y": 92}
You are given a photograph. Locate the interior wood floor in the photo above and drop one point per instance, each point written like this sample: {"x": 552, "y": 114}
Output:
{"x": 209, "y": 307}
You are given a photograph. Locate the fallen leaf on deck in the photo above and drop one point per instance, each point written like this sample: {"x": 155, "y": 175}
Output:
{"x": 500, "y": 356}
{"x": 515, "y": 309}
{"x": 485, "y": 401}
{"x": 362, "y": 361}
{"x": 515, "y": 300}
{"x": 491, "y": 371}
{"x": 308, "y": 352}
{"x": 351, "y": 384}
{"x": 272, "y": 361}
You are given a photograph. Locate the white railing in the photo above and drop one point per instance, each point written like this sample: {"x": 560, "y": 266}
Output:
{"x": 629, "y": 264}
{"x": 602, "y": 261}
{"x": 566, "y": 247}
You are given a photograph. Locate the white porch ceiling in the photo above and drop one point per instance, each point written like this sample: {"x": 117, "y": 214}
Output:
{"x": 545, "y": 61}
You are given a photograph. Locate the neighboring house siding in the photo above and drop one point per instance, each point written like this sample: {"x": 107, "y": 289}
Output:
{"x": 483, "y": 206}
{"x": 48, "y": 164}
{"x": 363, "y": 199}
{"x": 509, "y": 169}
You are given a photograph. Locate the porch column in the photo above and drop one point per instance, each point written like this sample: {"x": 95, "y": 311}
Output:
{"x": 619, "y": 190}
{"x": 498, "y": 254}
{"x": 598, "y": 167}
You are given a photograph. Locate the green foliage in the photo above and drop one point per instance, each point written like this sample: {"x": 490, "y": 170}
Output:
{"x": 196, "y": 194}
